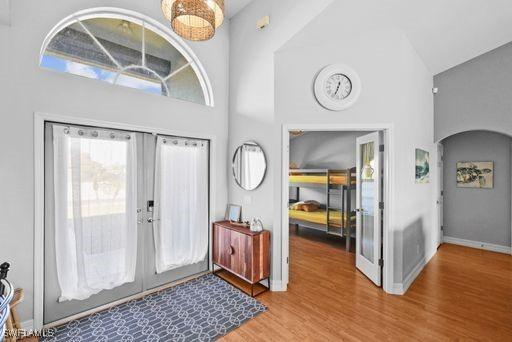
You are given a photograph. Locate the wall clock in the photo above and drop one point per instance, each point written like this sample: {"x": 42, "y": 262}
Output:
{"x": 337, "y": 87}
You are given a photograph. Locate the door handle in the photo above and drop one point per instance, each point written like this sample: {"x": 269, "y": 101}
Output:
{"x": 231, "y": 250}
{"x": 151, "y": 220}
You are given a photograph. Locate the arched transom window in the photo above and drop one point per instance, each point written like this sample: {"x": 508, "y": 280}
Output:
{"x": 125, "y": 48}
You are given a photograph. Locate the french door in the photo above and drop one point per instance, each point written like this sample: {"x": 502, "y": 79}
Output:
{"x": 125, "y": 212}
{"x": 368, "y": 198}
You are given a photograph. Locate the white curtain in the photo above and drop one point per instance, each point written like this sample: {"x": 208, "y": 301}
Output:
{"x": 253, "y": 166}
{"x": 181, "y": 203}
{"x": 95, "y": 184}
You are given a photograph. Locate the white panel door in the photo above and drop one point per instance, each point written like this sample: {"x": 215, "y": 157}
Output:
{"x": 368, "y": 196}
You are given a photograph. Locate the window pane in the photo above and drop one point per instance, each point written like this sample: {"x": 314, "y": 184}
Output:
{"x": 142, "y": 79}
{"x": 161, "y": 56}
{"x": 185, "y": 86}
{"x": 74, "y": 51}
{"x": 121, "y": 38}
{"x": 367, "y": 200}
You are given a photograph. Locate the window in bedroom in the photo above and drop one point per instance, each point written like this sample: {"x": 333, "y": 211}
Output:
{"x": 127, "y": 50}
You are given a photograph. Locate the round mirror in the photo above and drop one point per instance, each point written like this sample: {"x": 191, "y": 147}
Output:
{"x": 249, "y": 165}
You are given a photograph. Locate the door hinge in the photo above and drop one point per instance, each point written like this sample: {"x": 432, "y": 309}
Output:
{"x": 442, "y": 227}
{"x": 381, "y": 205}
{"x": 381, "y": 262}
{"x": 435, "y": 90}
{"x": 287, "y": 260}
{"x": 381, "y": 148}
{"x": 442, "y": 193}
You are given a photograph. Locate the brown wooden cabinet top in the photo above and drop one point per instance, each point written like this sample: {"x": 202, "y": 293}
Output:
{"x": 243, "y": 230}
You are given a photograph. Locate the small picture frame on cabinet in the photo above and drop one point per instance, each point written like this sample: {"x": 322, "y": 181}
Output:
{"x": 233, "y": 213}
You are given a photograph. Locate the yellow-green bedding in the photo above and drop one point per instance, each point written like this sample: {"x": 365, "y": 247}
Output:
{"x": 339, "y": 179}
{"x": 318, "y": 216}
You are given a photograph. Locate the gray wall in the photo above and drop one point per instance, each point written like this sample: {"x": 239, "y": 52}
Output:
{"x": 475, "y": 95}
{"x": 30, "y": 89}
{"x": 481, "y": 215}
{"x": 323, "y": 150}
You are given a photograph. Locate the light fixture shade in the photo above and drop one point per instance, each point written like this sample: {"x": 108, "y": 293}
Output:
{"x": 194, "y": 19}
{"x": 218, "y": 8}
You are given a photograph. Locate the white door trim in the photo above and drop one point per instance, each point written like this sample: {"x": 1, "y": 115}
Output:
{"x": 39, "y": 121}
{"x": 388, "y": 239}
{"x": 439, "y": 188}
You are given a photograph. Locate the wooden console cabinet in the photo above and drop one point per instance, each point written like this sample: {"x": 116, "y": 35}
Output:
{"x": 241, "y": 252}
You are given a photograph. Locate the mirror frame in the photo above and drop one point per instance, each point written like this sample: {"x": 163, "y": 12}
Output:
{"x": 233, "y": 164}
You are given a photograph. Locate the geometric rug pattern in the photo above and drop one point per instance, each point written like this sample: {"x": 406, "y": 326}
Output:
{"x": 202, "y": 309}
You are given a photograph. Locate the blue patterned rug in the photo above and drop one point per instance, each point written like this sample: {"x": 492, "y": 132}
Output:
{"x": 203, "y": 309}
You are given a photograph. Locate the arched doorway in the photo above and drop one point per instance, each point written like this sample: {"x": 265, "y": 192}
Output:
{"x": 474, "y": 200}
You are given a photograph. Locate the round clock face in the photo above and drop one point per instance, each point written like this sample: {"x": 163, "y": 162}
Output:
{"x": 338, "y": 87}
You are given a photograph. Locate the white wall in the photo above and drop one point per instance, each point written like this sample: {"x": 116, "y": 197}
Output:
{"x": 5, "y": 11}
{"x": 251, "y": 93}
{"x": 25, "y": 88}
{"x": 396, "y": 90}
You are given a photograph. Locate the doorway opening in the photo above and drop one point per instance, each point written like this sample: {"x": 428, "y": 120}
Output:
{"x": 335, "y": 199}
{"x": 474, "y": 190}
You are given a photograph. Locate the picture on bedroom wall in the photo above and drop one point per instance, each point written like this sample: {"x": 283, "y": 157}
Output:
{"x": 475, "y": 175}
{"x": 422, "y": 166}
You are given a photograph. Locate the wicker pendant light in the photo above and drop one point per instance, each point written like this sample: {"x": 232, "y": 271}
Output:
{"x": 194, "y": 19}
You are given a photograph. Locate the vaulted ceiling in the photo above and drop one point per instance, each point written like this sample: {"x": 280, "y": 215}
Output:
{"x": 445, "y": 33}
{"x": 449, "y": 32}
{"x": 235, "y": 6}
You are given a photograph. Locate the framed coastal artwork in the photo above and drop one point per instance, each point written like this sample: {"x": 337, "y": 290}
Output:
{"x": 475, "y": 175}
{"x": 422, "y": 166}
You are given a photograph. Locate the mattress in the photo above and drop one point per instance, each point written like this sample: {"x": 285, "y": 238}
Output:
{"x": 319, "y": 216}
{"x": 339, "y": 179}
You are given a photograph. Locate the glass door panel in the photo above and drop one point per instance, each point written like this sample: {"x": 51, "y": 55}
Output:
{"x": 177, "y": 226}
{"x": 91, "y": 241}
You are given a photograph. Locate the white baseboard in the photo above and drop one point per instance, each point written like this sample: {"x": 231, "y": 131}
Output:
{"x": 277, "y": 286}
{"x": 477, "y": 244}
{"x": 401, "y": 288}
{"x": 397, "y": 289}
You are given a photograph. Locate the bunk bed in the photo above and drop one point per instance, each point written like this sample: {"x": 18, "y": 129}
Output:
{"x": 334, "y": 220}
